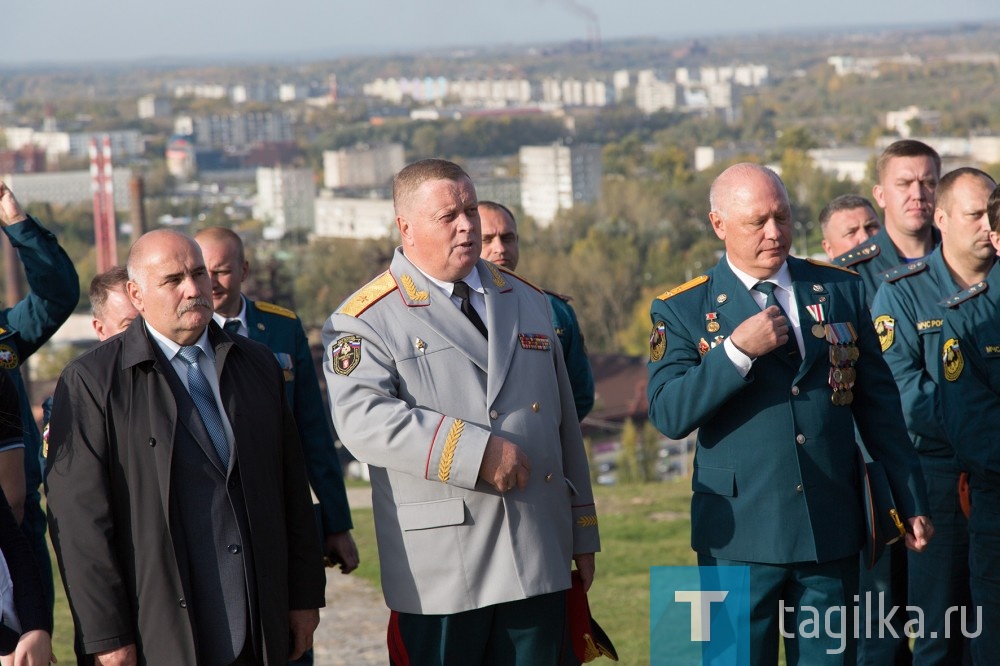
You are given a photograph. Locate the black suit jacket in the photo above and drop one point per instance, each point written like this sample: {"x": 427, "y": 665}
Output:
{"x": 112, "y": 451}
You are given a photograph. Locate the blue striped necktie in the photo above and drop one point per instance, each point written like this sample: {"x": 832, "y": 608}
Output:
{"x": 204, "y": 400}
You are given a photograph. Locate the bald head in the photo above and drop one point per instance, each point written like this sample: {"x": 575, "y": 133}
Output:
{"x": 751, "y": 214}
{"x": 169, "y": 285}
{"x": 227, "y": 268}
{"x": 738, "y": 176}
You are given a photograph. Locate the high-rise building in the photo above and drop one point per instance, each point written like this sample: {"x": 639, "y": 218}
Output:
{"x": 286, "y": 200}
{"x": 343, "y": 217}
{"x": 362, "y": 166}
{"x": 557, "y": 177}
{"x": 153, "y": 106}
{"x": 235, "y": 130}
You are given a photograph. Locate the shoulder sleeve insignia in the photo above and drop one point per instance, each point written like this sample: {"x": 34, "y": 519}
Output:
{"x": 345, "y": 354}
{"x": 368, "y": 295}
{"x": 904, "y": 270}
{"x": 690, "y": 284}
{"x": 885, "y": 326}
{"x": 966, "y": 294}
{"x": 8, "y": 357}
{"x": 951, "y": 356}
{"x": 274, "y": 309}
{"x": 826, "y": 264}
{"x": 658, "y": 341}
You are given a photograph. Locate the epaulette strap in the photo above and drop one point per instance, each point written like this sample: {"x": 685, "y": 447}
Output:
{"x": 701, "y": 279}
{"x": 368, "y": 295}
{"x": 271, "y": 308}
{"x": 904, "y": 270}
{"x": 965, "y": 294}
{"x": 827, "y": 264}
{"x": 858, "y": 255}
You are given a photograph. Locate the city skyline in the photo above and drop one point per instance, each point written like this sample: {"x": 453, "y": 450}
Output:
{"x": 68, "y": 32}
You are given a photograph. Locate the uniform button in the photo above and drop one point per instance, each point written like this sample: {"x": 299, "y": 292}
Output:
{"x": 798, "y": 488}
{"x": 494, "y": 414}
{"x": 548, "y": 477}
{"x": 183, "y": 604}
{"x": 535, "y": 406}
{"x": 234, "y": 548}
{"x": 795, "y": 390}
{"x": 800, "y": 438}
{"x": 152, "y": 441}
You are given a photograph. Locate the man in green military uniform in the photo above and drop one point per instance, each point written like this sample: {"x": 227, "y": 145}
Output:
{"x": 281, "y": 330}
{"x": 500, "y": 246}
{"x": 970, "y": 402}
{"x": 907, "y": 174}
{"x": 55, "y": 291}
{"x": 774, "y": 398}
{"x": 908, "y": 311}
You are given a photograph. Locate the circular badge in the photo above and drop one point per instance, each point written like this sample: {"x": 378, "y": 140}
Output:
{"x": 8, "y": 357}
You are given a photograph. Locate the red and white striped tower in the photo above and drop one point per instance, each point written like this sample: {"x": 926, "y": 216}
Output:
{"x": 105, "y": 240}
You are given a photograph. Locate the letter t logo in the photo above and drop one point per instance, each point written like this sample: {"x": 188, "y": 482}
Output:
{"x": 701, "y": 606}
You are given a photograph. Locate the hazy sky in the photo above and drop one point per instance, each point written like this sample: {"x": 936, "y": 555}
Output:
{"x": 92, "y": 30}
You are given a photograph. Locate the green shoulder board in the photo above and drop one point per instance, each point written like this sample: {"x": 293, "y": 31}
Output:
{"x": 904, "y": 270}
{"x": 965, "y": 294}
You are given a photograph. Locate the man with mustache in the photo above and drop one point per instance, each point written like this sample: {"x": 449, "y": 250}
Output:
{"x": 908, "y": 313}
{"x": 179, "y": 506}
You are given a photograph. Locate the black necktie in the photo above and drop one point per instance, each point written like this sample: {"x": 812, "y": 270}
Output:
{"x": 232, "y": 326}
{"x": 461, "y": 290}
{"x": 791, "y": 348}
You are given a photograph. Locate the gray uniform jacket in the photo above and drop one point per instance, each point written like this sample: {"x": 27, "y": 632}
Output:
{"x": 411, "y": 396}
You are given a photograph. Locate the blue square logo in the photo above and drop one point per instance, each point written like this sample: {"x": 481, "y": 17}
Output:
{"x": 699, "y": 615}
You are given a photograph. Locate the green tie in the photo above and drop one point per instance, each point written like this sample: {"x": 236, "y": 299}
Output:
{"x": 790, "y": 349}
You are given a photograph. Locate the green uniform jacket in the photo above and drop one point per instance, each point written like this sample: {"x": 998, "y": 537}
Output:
{"x": 970, "y": 392}
{"x": 54, "y": 293}
{"x": 282, "y": 332}
{"x": 775, "y": 473}
{"x": 574, "y": 351}
{"x": 873, "y": 259}
{"x": 908, "y": 312}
